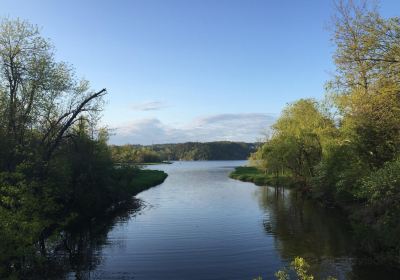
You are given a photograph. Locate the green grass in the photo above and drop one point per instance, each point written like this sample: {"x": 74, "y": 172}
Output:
{"x": 133, "y": 164}
{"x": 154, "y": 163}
{"x": 145, "y": 179}
{"x": 131, "y": 180}
{"x": 258, "y": 177}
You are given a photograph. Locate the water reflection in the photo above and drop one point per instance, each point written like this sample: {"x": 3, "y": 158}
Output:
{"x": 80, "y": 249}
{"x": 300, "y": 227}
{"x": 322, "y": 236}
{"x": 203, "y": 225}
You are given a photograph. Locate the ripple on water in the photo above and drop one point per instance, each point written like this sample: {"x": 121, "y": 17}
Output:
{"x": 199, "y": 224}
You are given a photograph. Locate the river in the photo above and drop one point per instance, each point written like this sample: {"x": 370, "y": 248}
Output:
{"x": 200, "y": 224}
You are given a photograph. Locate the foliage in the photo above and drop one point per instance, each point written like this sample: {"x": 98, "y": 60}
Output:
{"x": 299, "y": 267}
{"x": 301, "y": 270}
{"x": 345, "y": 150}
{"x": 56, "y": 169}
{"x": 131, "y": 154}
{"x": 380, "y": 191}
{"x": 223, "y": 150}
{"x": 337, "y": 175}
{"x": 297, "y": 142}
{"x": 260, "y": 178}
{"x": 367, "y": 83}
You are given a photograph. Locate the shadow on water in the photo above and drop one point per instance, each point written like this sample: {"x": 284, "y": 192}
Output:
{"x": 78, "y": 250}
{"x": 300, "y": 227}
{"x": 323, "y": 236}
{"x": 82, "y": 246}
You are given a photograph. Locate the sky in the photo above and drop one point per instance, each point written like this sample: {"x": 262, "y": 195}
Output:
{"x": 192, "y": 70}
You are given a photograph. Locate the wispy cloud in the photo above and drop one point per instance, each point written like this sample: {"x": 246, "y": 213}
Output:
{"x": 248, "y": 127}
{"x": 149, "y": 106}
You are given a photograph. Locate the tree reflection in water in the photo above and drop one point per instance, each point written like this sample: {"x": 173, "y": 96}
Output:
{"x": 301, "y": 227}
{"x": 79, "y": 250}
{"x": 82, "y": 248}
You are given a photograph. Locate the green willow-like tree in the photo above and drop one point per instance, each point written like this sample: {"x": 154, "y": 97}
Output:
{"x": 297, "y": 141}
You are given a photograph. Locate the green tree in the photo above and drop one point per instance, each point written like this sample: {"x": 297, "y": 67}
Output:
{"x": 367, "y": 82}
{"x": 43, "y": 108}
{"x": 298, "y": 140}
{"x": 360, "y": 168}
{"x": 40, "y": 99}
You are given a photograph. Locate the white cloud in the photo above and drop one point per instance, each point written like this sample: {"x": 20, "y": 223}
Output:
{"x": 149, "y": 106}
{"x": 231, "y": 127}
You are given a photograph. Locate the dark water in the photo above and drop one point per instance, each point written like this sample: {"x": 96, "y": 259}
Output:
{"x": 199, "y": 224}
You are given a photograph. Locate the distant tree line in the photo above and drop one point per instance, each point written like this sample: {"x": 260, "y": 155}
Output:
{"x": 221, "y": 150}
{"x": 130, "y": 154}
{"x": 345, "y": 150}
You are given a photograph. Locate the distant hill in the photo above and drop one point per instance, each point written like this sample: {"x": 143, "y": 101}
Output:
{"x": 221, "y": 150}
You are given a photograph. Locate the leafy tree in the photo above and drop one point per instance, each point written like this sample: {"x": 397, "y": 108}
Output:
{"x": 367, "y": 82}
{"x": 51, "y": 168}
{"x": 298, "y": 140}
{"x": 40, "y": 99}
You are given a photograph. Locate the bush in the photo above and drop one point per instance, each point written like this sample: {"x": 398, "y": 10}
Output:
{"x": 337, "y": 175}
{"x": 378, "y": 223}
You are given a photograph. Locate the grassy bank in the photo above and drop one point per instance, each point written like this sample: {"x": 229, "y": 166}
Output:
{"x": 154, "y": 163}
{"x": 132, "y": 180}
{"x": 258, "y": 177}
{"x": 139, "y": 164}
{"x": 146, "y": 179}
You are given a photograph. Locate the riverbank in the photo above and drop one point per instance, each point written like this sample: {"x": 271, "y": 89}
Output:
{"x": 153, "y": 163}
{"x": 260, "y": 178}
{"x": 353, "y": 210}
{"x": 146, "y": 179}
{"x": 112, "y": 195}
{"x": 128, "y": 181}
{"x": 85, "y": 230}
{"x": 131, "y": 180}
{"x": 140, "y": 164}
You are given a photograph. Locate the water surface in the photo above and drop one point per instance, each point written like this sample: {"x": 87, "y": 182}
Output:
{"x": 200, "y": 224}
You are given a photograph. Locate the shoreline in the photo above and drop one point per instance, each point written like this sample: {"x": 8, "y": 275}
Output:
{"x": 254, "y": 175}
{"x": 131, "y": 183}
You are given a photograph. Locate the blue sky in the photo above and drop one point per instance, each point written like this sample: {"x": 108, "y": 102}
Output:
{"x": 192, "y": 70}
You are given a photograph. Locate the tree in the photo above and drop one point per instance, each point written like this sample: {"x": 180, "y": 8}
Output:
{"x": 40, "y": 99}
{"x": 298, "y": 140}
{"x": 44, "y": 109}
{"x": 367, "y": 84}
